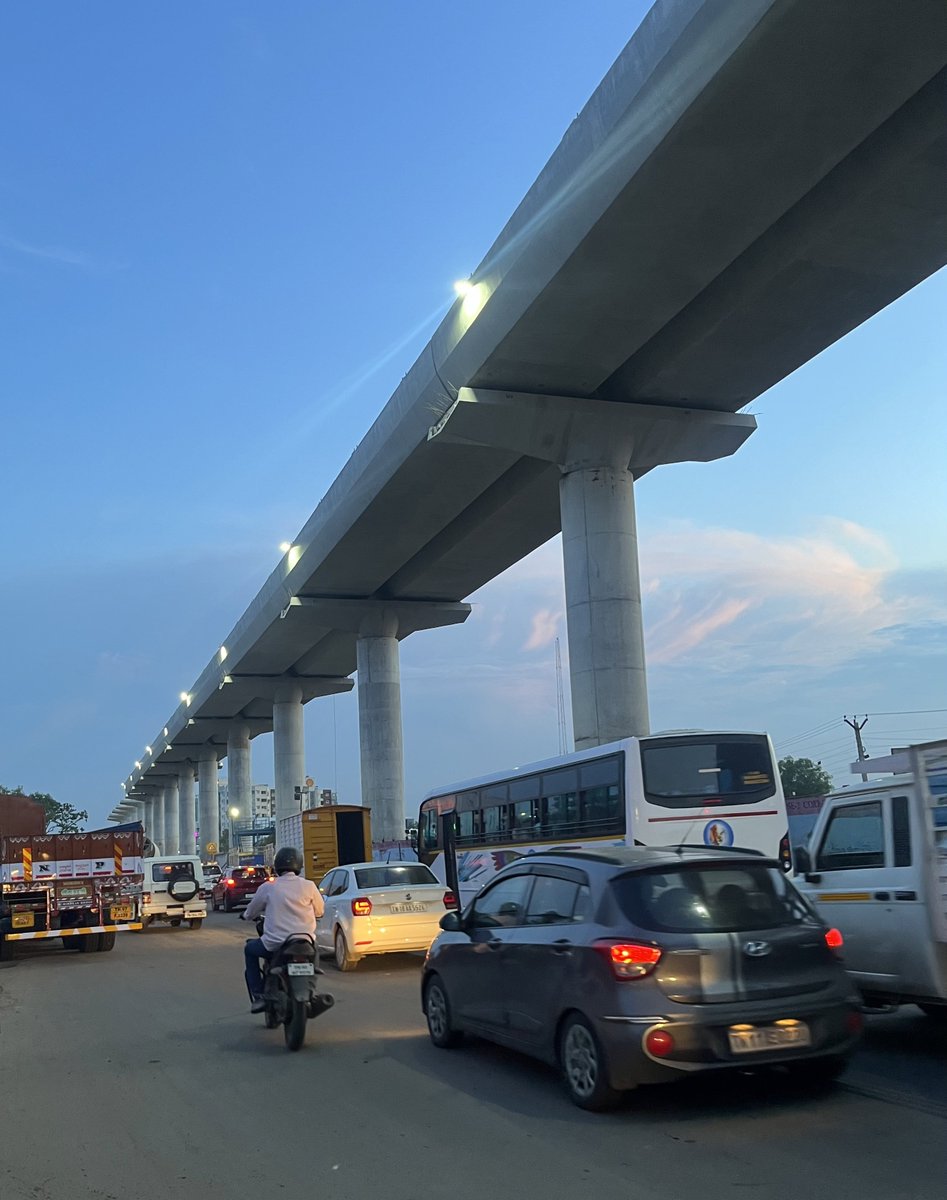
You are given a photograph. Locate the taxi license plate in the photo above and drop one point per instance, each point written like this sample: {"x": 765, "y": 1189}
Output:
{"x": 406, "y": 908}
{"x": 769, "y": 1037}
{"x": 22, "y": 920}
{"x": 122, "y": 912}
{"x": 300, "y": 969}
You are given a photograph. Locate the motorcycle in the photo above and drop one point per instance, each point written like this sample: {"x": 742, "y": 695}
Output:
{"x": 289, "y": 987}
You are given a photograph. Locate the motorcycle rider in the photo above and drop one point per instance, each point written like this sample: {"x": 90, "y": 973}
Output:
{"x": 289, "y": 905}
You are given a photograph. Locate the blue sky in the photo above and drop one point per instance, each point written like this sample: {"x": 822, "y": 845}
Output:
{"x": 226, "y": 231}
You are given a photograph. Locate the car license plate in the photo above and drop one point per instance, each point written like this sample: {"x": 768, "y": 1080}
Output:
{"x": 300, "y": 969}
{"x": 122, "y": 912}
{"x": 753, "y": 1039}
{"x": 406, "y": 908}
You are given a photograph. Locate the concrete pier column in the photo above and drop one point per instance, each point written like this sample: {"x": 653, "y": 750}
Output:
{"x": 603, "y": 605}
{"x": 239, "y": 770}
{"x": 289, "y": 750}
{"x": 379, "y": 724}
{"x": 187, "y": 817}
{"x": 172, "y": 819}
{"x": 209, "y": 805}
{"x": 154, "y": 826}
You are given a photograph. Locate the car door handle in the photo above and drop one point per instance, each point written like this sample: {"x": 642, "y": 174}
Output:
{"x": 882, "y": 895}
{"x": 562, "y": 946}
{"x": 495, "y": 944}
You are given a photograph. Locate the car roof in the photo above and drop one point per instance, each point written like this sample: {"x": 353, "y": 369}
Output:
{"x": 647, "y": 856}
{"x": 397, "y": 862}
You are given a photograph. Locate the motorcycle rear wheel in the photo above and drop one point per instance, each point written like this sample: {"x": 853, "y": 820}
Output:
{"x": 294, "y": 1029}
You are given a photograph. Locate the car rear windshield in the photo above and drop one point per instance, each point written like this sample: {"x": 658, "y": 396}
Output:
{"x": 169, "y": 872}
{"x": 253, "y": 873}
{"x": 395, "y": 875}
{"x": 710, "y": 899}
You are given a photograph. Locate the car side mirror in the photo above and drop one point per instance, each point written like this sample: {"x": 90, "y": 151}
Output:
{"x": 801, "y": 860}
{"x": 451, "y": 923}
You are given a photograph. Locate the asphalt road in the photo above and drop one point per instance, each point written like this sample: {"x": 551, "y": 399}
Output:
{"x": 140, "y": 1073}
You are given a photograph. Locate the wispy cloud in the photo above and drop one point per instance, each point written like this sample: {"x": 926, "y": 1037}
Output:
{"x": 545, "y": 627}
{"x": 59, "y": 255}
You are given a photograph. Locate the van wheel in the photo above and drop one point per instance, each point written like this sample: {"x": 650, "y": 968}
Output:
{"x": 106, "y": 941}
{"x": 437, "y": 1011}
{"x": 343, "y": 959}
{"x": 175, "y": 922}
{"x": 196, "y": 922}
{"x": 584, "y": 1068}
{"x": 936, "y": 1012}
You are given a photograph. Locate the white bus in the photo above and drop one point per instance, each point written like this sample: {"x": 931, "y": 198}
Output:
{"x": 674, "y": 788}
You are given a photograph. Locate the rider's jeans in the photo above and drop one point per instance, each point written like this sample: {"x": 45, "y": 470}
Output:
{"x": 254, "y": 950}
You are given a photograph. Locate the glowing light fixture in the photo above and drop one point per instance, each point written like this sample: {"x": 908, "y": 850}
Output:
{"x": 463, "y": 287}
{"x": 186, "y": 699}
{"x": 222, "y": 652}
{"x": 285, "y": 547}
{"x": 137, "y": 764}
{"x": 149, "y": 749}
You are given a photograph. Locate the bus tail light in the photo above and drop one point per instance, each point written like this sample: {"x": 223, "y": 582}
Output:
{"x": 630, "y": 960}
{"x": 785, "y": 853}
{"x": 361, "y": 907}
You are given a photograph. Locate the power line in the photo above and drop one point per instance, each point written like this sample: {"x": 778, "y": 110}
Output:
{"x": 907, "y": 712}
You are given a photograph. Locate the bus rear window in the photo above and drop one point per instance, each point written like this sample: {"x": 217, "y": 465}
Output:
{"x": 731, "y": 769}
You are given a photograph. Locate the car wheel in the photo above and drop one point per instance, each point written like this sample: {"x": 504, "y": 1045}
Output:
{"x": 584, "y": 1068}
{"x": 936, "y": 1012}
{"x": 817, "y": 1072}
{"x": 343, "y": 959}
{"x": 214, "y": 905}
{"x": 437, "y": 1011}
{"x": 228, "y": 907}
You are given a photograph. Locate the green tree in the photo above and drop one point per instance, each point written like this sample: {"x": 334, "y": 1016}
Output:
{"x": 60, "y": 817}
{"x": 803, "y": 777}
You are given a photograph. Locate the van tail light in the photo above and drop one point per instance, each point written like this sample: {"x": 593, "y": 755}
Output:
{"x": 361, "y": 907}
{"x": 630, "y": 960}
{"x": 450, "y": 900}
{"x": 834, "y": 941}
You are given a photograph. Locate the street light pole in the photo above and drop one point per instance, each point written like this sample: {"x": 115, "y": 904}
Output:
{"x": 234, "y": 847}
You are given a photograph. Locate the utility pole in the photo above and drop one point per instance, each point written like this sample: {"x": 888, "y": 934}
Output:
{"x": 857, "y": 726}
{"x": 560, "y": 703}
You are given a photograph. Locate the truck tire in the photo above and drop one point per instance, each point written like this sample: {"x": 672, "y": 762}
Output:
{"x": 88, "y": 942}
{"x": 6, "y": 949}
{"x": 106, "y": 941}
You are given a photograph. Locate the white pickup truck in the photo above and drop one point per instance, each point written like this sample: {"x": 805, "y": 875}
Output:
{"x": 875, "y": 867}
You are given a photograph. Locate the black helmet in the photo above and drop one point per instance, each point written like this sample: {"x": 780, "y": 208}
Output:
{"x": 288, "y": 859}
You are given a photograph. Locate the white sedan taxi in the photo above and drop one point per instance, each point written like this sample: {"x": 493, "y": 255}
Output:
{"x": 377, "y": 908}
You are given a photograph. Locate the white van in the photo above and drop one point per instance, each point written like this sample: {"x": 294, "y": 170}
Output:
{"x": 174, "y": 890}
{"x": 875, "y": 867}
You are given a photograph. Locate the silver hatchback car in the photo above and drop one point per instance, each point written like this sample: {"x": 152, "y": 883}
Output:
{"x": 627, "y": 967}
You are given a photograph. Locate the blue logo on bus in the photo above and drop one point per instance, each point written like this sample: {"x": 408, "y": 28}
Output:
{"x": 718, "y": 833}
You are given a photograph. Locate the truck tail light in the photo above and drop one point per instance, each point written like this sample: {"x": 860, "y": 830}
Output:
{"x": 361, "y": 907}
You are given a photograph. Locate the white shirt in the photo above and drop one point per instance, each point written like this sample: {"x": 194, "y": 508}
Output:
{"x": 291, "y": 904}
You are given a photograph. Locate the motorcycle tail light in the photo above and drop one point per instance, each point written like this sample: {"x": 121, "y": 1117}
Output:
{"x": 362, "y": 907}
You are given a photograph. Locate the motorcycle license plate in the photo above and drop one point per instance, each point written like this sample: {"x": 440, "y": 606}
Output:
{"x": 769, "y": 1037}
{"x": 300, "y": 969}
{"x": 122, "y": 912}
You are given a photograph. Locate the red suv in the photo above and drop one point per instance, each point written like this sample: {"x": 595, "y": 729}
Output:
{"x": 236, "y": 886}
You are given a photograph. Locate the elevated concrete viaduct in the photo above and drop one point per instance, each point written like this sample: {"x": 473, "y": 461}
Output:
{"x": 751, "y": 180}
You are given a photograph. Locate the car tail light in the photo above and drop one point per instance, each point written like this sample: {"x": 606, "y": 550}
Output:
{"x": 659, "y": 1043}
{"x": 362, "y": 907}
{"x": 230, "y": 882}
{"x": 450, "y": 900}
{"x": 630, "y": 960}
{"x": 834, "y": 940}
